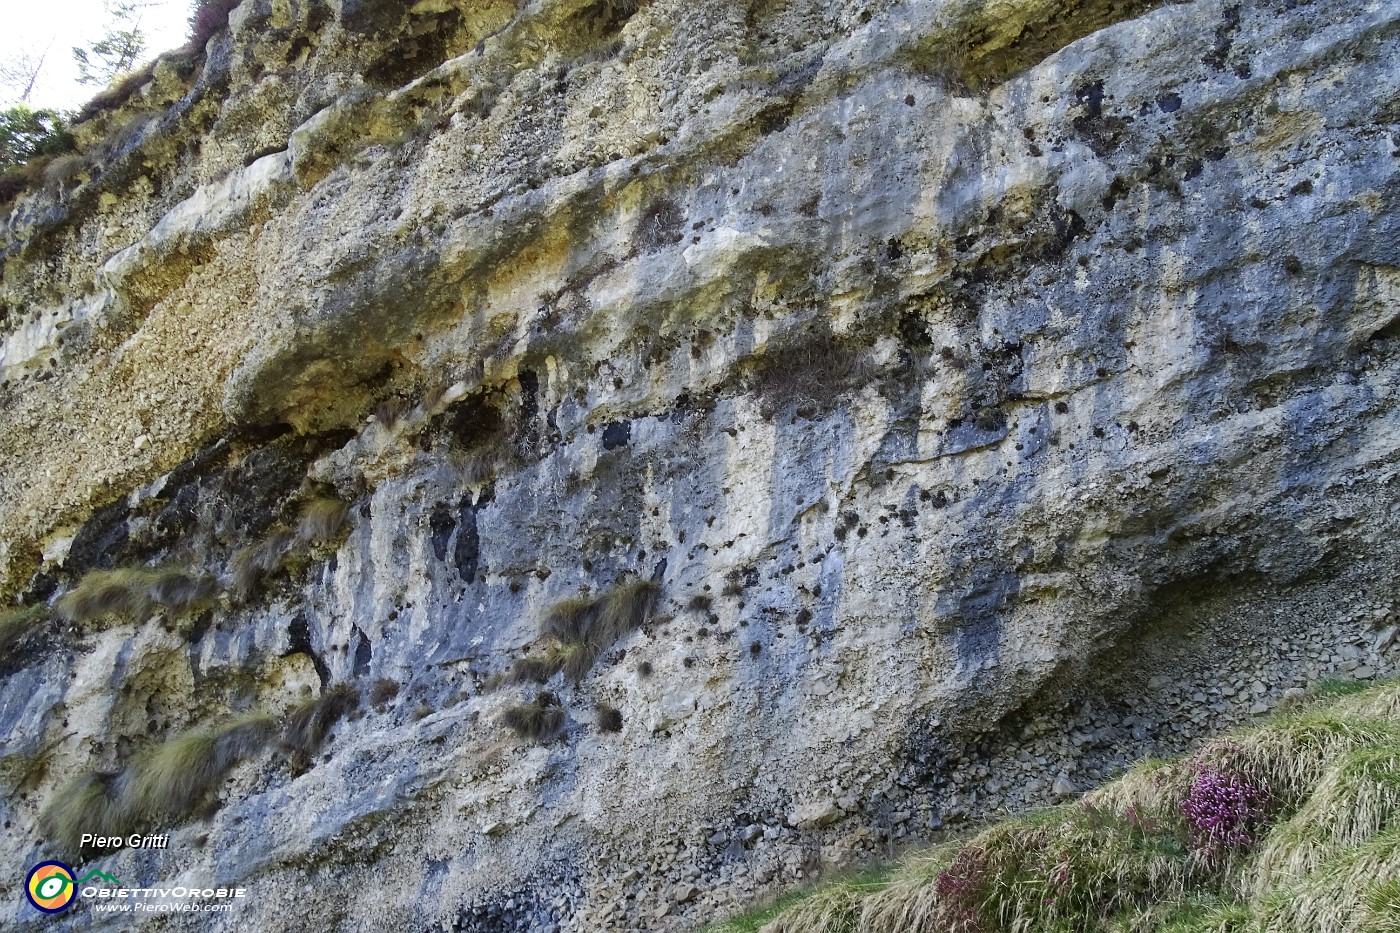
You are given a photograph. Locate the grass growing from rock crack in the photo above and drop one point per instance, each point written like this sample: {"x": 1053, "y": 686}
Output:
{"x": 170, "y": 782}
{"x": 307, "y": 726}
{"x": 162, "y": 786}
{"x": 321, "y": 520}
{"x": 90, "y": 803}
{"x": 135, "y": 592}
{"x": 582, "y": 629}
{"x": 254, "y": 562}
{"x": 539, "y": 721}
{"x": 167, "y": 784}
{"x": 1290, "y": 826}
{"x": 18, "y": 625}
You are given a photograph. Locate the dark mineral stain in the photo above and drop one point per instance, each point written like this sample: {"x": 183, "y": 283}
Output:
{"x": 467, "y": 551}
{"x": 101, "y": 539}
{"x": 617, "y": 434}
{"x": 443, "y": 522}
{"x": 364, "y": 653}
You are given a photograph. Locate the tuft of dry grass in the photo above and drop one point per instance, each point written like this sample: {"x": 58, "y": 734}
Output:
{"x": 170, "y": 782}
{"x": 64, "y": 170}
{"x": 306, "y": 727}
{"x": 437, "y": 399}
{"x": 392, "y": 412}
{"x": 539, "y": 721}
{"x": 609, "y": 718}
{"x": 90, "y": 803}
{"x": 1357, "y": 798}
{"x": 1323, "y": 856}
{"x": 254, "y": 562}
{"x": 536, "y": 670}
{"x": 161, "y": 786}
{"x": 625, "y": 608}
{"x": 18, "y": 626}
{"x": 182, "y": 591}
{"x": 321, "y": 520}
{"x": 477, "y": 469}
{"x": 584, "y": 629}
{"x": 135, "y": 592}
{"x": 809, "y": 373}
{"x": 382, "y": 692}
{"x": 569, "y": 620}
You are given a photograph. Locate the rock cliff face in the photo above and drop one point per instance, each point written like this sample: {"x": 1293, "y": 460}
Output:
{"x": 996, "y": 391}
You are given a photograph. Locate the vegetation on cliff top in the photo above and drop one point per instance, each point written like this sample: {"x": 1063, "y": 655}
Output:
{"x": 1289, "y": 826}
{"x": 36, "y": 146}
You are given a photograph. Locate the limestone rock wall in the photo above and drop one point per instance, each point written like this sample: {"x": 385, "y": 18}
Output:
{"x": 997, "y": 391}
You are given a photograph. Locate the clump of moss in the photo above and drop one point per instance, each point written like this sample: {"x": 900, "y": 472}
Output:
{"x": 134, "y": 592}
{"x": 539, "y": 721}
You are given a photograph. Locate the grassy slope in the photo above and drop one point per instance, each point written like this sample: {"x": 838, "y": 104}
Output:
{"x": 1288, "y": 827}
